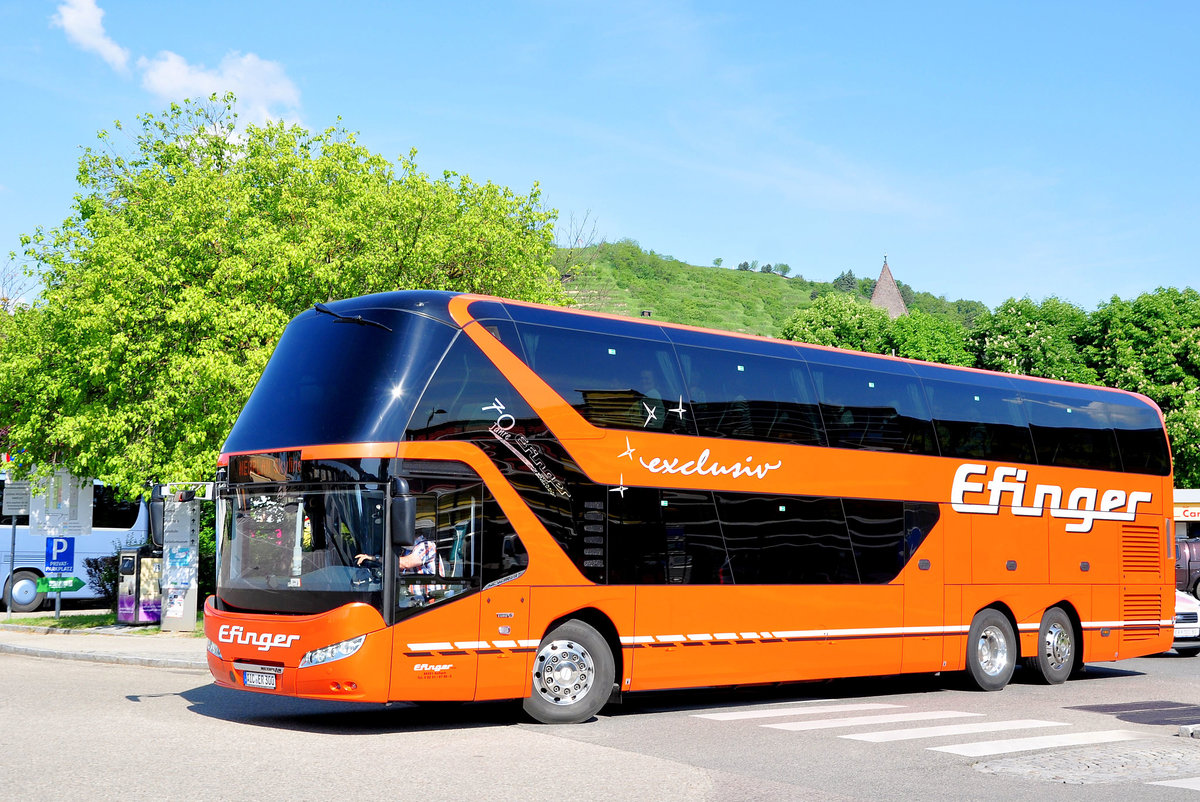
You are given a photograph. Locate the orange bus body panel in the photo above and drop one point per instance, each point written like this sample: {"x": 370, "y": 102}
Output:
{"x": 1111, "y": 575}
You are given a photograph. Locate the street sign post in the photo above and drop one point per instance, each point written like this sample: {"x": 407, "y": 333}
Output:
{"x": 59, "y": 584}
{"x": 16, "y": 502}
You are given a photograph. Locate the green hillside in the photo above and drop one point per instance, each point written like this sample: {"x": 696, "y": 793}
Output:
{"x": 621, "y": 278}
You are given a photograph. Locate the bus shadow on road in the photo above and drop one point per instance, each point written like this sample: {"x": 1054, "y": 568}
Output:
{"x": 346, "y": 718}
{"x": 1149, "y": 712}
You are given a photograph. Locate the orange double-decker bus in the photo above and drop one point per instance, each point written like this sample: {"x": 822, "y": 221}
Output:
{"x": 435, "y": 496}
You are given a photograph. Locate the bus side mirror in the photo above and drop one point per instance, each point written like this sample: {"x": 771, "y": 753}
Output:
{"x": 157, "y": 516}
{"x": 402, "y": 513}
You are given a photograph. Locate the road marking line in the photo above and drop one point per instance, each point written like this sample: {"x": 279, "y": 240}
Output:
{"x": 1040, "y": 742}
{"x": 1191, "y": 783}
{"x": 794, "y": 711}
{"x": 912, "y": 733}
{"x": 856, "y": 721}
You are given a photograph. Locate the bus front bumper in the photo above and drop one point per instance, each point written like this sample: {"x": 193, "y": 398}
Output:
{"x": 343, "y": 654}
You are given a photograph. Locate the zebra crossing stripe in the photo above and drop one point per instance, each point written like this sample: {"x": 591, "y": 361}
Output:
{"x": 858, "y": 721}
{"x": 984, "y": 748}
{"x": 913, "y": 733}
{"x": 780, "y": 712}
{"x": 1190, "y": 783}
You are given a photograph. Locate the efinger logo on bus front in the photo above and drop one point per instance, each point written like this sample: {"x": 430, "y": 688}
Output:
{"x": 263, "y": 640}
{"x": 1085, "y": 505}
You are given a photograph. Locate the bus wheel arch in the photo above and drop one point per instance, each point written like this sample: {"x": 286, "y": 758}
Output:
{"x": 25, "y": 596}
{"x": 992, "y": 648}
{"x": 1059, "y": 651}
{"x": 573, "y": 672}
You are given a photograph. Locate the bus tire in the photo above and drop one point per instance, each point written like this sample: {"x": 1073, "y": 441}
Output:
{"x": 25, "y": 596}
{"x": 991, "y": 650}
{"x": 1055, "y": 658}
{"x": 572, "y": 675}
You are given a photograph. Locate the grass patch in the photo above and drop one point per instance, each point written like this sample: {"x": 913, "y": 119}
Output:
{"x": 93, "y": 620}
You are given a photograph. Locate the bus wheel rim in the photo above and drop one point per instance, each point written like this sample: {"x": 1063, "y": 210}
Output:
{"x": 1057, "y": 646}
{"x": 992, "y": 651}
{"x": 563, "y": 672}
{"x": 24, "y": 591}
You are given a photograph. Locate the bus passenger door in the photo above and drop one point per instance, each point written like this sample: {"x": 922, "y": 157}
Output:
{"x": 503, "y": 608}
{"x": 924, "y": 590}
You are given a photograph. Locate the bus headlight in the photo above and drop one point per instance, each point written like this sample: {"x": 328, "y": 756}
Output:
{"x": 335, "y": 652}
{"x": 214, "y": 649}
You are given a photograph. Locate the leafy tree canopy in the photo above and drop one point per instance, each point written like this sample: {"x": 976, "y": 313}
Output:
{"x": 166, "y": 289}
{"x": 841, "y": 321}
{"x": 1151, "y": 345}
{"x": 1035, "y": 339}
{"x": 919, "y": 335}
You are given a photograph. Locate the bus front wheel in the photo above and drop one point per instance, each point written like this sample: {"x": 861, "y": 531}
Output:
{"x": 991, "y": 650}
{"x": 572, "y": 675}
{"x": 25, "y": 596}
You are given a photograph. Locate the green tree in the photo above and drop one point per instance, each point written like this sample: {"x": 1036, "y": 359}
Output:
{"x": 842, "y": 321}
{"x": 846, "y": 282}
{"x": 1151, "y": 345}
{"x": 743, "y": 266}
{"x": 767, "y": 268}
{"x": 165, "y": 290}
{"x": 918, "y": 335}
{"x": 783, "y": 268}
{"x": 1024, "y": 337}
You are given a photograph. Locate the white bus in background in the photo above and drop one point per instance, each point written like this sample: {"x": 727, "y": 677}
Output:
{"x": 100, "y": 527}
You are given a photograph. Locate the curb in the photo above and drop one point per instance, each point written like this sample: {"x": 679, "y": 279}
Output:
{"x": 97, "y": 657}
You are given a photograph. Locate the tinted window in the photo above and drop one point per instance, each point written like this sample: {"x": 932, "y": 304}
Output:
{"x": 110, "y": 509}
{"x": 786, "y": 540}
{"x": 1072, "y": 430}
{"x": 613, "y": 381}
{"x": 331, "y": 381}
{"x": 461, "y": 399}
{"x": 873, "y": 410}
{"x": 504, "y": 554}
{"x": 979, "y": 422}
{"x": 1140, "y": 436}
{"x": 750, "y": 397}
{"x": 665, "y": 537}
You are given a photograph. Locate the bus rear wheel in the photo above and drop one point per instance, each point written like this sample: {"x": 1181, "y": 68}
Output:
{"x": 572, "y": 675}
{"x": 991, "y": 650}
{"x": 1055, "y": 658}
{"x": 25, "y": 596}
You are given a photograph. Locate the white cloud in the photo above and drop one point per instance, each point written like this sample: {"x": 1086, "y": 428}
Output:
{"x": 262, "y": 87}
{"x": 83, "y": 22}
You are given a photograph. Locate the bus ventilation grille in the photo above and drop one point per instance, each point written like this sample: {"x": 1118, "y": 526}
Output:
{"x": 1142, "y": 613}
{"x": 1140, "y": 553}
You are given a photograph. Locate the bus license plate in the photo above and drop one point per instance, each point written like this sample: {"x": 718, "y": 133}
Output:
{"x": 253, "y": 679}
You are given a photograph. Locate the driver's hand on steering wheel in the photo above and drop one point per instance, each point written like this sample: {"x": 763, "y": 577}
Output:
{"x": 366, "y": 560}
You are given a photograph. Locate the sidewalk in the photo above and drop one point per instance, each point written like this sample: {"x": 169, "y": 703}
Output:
{"x": 117, "y": 644}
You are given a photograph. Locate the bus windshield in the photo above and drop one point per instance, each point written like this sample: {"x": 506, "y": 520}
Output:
{"x": 333, "y": 381}
{"x": 302, "y": 548}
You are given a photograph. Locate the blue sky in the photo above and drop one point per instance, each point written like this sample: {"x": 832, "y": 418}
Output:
{"x": 990, "y": 150}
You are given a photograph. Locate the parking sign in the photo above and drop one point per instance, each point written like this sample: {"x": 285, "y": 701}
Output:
{"x": 60, "y": 554}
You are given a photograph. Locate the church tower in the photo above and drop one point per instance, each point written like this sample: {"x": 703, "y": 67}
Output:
{"x": 887, "y": 294}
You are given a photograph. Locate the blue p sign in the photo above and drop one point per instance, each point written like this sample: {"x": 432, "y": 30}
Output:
{"x": 60, "y": 554}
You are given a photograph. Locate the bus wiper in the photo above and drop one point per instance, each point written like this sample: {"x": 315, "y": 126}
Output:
{"x": 359, "y": 319}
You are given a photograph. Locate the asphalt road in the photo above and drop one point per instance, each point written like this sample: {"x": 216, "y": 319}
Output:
{"x": 69, "y": 729}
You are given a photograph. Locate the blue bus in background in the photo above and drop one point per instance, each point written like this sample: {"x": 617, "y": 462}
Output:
{"x": 112, "y": 523}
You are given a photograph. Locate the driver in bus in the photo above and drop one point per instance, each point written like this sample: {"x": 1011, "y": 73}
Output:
{"x": 422, "y": 558}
